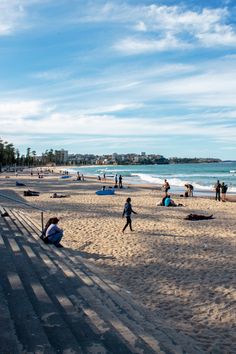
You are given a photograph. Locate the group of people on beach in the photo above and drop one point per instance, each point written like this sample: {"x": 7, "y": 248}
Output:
{"x": 220, "y": 189}
{"x": 79, "y": 177}
{"x": 52, "y": 234}
{"x": 117, "y": 180}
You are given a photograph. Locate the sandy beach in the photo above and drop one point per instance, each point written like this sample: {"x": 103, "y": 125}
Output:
{"x": 183, "y": 271}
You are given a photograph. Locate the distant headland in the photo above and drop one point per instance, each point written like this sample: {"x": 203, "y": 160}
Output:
{"x": 10, "y": 156}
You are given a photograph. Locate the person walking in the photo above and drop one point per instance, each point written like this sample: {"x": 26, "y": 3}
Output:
{"x": 224, "y": 188}
{"x": 127, "y": 213}
{"x": 217, "y": 190}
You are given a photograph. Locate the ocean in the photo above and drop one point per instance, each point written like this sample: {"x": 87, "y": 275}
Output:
{"x": 202, "y": 176}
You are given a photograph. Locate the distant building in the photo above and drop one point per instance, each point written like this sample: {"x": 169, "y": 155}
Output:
{"x": 114, "y": 156}
{"x": 143, "y": 153}
{"x": 61, "y": 156}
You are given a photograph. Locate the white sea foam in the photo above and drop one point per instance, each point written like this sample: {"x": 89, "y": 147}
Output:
{"x": 178, "y": 183}
{"x": 202, "y": 177}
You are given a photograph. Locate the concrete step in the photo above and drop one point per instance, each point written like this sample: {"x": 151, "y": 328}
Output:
{"x": 152, "y": 332}
{"x": 27, "y": 327}
{"x": 8, "y": 339}
{"x": 87, "y": 291}
{"x": 99, "y": 316}
{"x": 65, "y": 327}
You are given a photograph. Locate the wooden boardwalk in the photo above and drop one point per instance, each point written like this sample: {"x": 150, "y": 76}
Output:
{"x": 54, "y": 301}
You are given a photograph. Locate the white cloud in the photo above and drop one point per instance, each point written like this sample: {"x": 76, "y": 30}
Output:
{"x": 52, "y": 75}
{"x": 113, "y": 108}
{"x": 136, "y": 46}
{"x": 140, "y": 26}
{"x": 172, "y": 25}
{"x": 15, "y": 15}
{"x": 110, "y": 125}
{"x": 222, "y": 36}
{"x": 10, "y": 110}
{"x": 11, "y": 15}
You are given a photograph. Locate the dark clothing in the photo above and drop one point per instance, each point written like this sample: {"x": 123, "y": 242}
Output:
{"x": 120, "y": 181}
{"x": 224, "y": 188}
{"x": 163, "y": 201}
{"x": 217, "y": 189}
{"x": 198, "y": 217}
{"x": 166, "y": 187}
{"x": 217, "y": 195}
{"x": 127, "y": 213}
{"x": 127, "y": 209}
{"x": 128, "y": 222}
{"x": 189, "y": 192}
{"x": 31, "y": 193}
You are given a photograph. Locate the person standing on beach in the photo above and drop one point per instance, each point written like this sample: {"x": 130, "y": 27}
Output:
{"x": 166, "y": 186}
{"x": 120, "y": 181}
{"x": 217, "y": 189}
{"x": 224, "y": 188}
{"x": 189, "y": 190}
{"x": 127, "y": 213}
{"x": 116, "y": 180}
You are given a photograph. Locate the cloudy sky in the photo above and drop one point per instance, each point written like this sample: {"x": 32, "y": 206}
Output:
{"x": 119, "y": 76}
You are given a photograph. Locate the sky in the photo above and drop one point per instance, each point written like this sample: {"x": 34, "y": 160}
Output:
{"x": 119, "y": 76}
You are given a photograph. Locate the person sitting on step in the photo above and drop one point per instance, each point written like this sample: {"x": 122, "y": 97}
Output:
{"x": 52, "y": 234}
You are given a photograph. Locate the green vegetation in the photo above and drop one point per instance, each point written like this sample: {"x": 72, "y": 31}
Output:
{"x": 9, "y": 156}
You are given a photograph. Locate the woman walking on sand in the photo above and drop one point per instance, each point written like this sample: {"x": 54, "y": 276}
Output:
{"x": 127, "y": 213}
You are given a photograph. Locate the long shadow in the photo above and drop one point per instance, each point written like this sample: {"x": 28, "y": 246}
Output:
{"x": 89, "y": 255}
{"x": 181, "y": 291}
{"x": 12, "y": 194}
{"x": 183, "y": 287}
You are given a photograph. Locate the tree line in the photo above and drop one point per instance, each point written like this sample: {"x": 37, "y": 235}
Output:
{"x": 10, "y": 156}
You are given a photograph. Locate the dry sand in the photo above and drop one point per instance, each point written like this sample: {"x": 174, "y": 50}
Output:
{"x": 183, "y": 271}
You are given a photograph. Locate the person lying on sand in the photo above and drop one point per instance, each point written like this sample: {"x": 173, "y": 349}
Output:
{"x": 56, "y": 195}
{"x": 198, "y": 217}
{"x": 30, "y": 193}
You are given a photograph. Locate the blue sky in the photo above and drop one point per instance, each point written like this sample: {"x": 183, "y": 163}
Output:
{"x": 119, "y": 76}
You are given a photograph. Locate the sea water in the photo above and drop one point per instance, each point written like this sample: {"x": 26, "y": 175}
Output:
{"x": 202, "y": 176}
